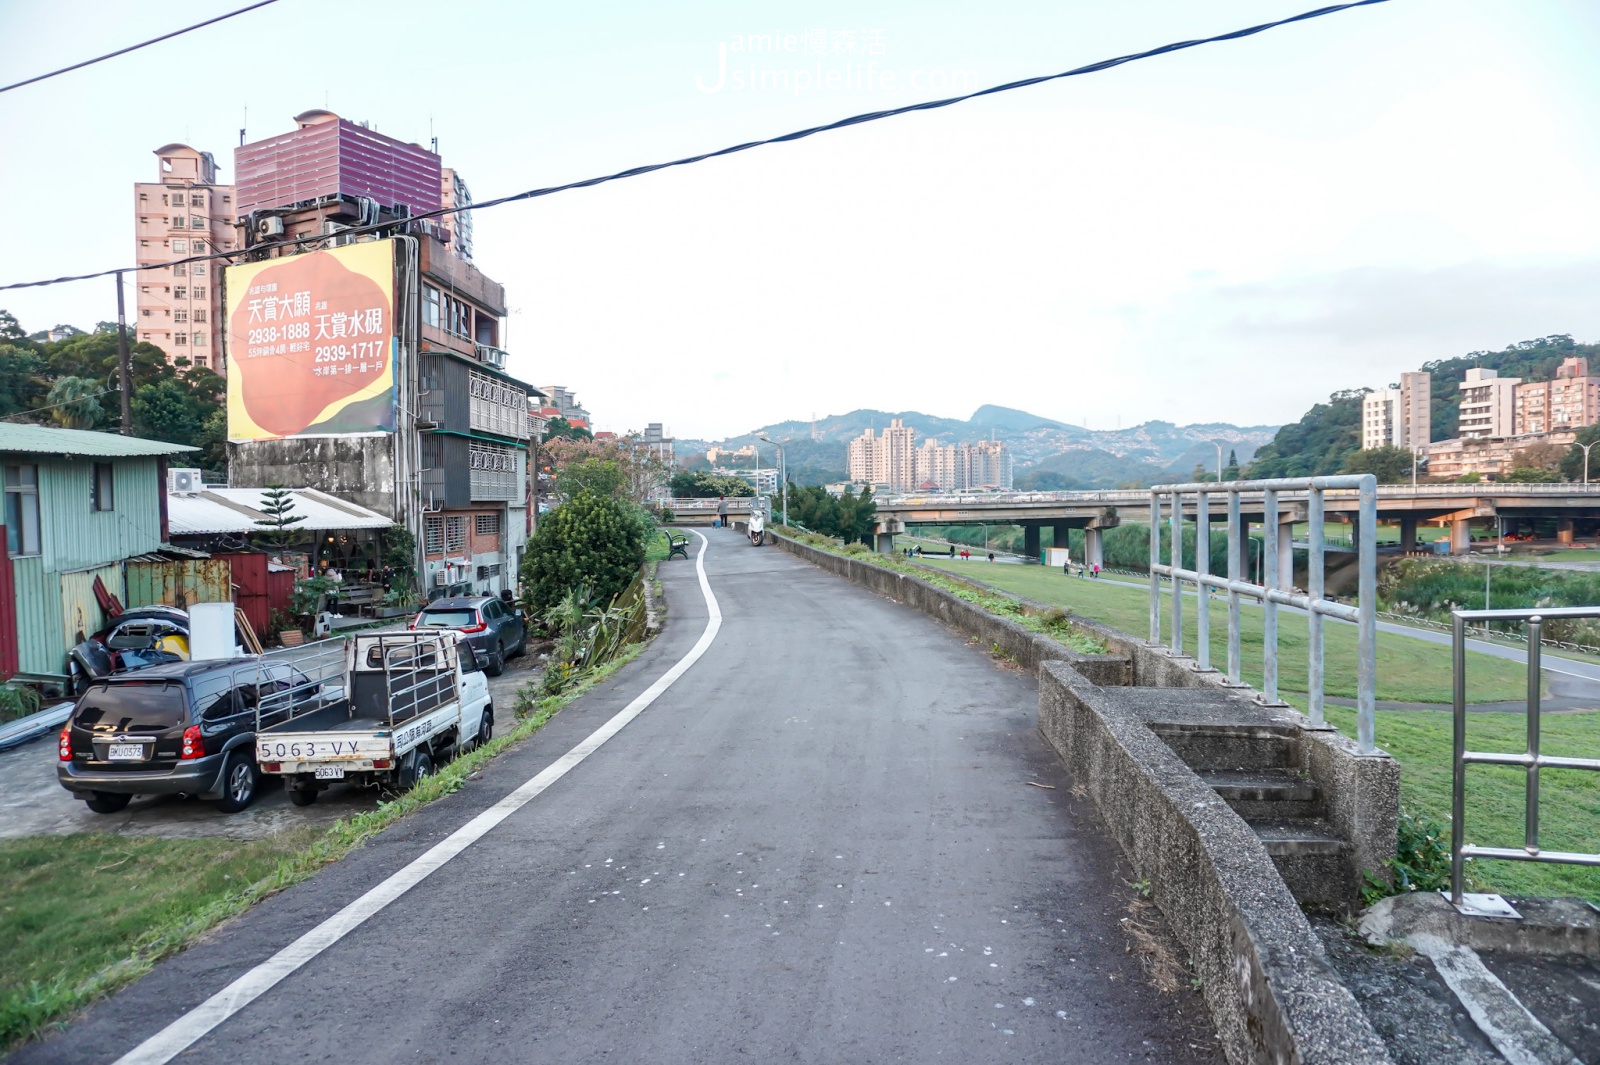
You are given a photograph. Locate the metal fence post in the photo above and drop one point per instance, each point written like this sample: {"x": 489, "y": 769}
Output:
{"x": 1458, "y": 756}
{"x": 1175, "y": 558}
{"x": 1269, "y": 609}
{"x": 1531, "y": 835}
{"x": 1202, "y": 591}
{"x": 1236, "y": 563}
{"x": 1314, "y": 588}
{"x": 1367, "y": 638}
{"x": 1155, "y": 561}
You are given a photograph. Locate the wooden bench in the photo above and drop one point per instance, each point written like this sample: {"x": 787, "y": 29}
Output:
{"x": 676, "y": 545}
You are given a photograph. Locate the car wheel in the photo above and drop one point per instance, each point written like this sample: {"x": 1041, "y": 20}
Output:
{"x": 240, "y": 782}
{"x": 497, "y": 660}
{"x": 303, "y": 796}
{"x": 105, "y": 802}
{"x": 418, "y": 766}
{"x": 486, "y": 726}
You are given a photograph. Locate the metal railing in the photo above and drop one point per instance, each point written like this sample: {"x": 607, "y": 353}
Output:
{"x": 291, "y": 681}
{"x": 1138, "y": 496}
{"x": 1531, "y": 761}
{"x": 1276, "y": 588}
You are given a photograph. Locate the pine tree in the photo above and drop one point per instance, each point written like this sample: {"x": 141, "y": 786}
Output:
{"x": 278, "y": 506}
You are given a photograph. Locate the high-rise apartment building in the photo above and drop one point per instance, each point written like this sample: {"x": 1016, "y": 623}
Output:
{"x": 889, "y": 459}
{"x": 1488, "y": 404}
{"x": 1399, "y": 417}
{"x": 939, "y": 468}
{"x": 184, "y": 212}
{"x": 1570, "y": 401}
{"x": 988, "y": 465}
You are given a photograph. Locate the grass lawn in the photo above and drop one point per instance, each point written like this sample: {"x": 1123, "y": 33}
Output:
{"x": 1408, "y": 670}
{"x": 1576, "y": 554}
{"x": 77, "y": 906}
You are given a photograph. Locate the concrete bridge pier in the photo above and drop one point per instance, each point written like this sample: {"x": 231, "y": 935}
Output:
{"x": 1408, "y": 534}
{"x": 1564, "y": 531}
{"x": 1461, "y": 536}
{"x": 1093, "y": 548}
{"x": 1030, "y": 541}
{"x": 885, "y": 534}
{"x": 1060, "y": 533}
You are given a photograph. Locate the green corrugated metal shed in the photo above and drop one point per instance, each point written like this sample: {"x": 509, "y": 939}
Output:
{"x": 54, "y": 597}
{"x": 44, "y": 440}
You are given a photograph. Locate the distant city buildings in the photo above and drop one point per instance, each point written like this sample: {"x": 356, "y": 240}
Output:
{"x": 1399, "y": 417}
{"x": 184, "y": 212}
{"x": 891, "y": 461}
{"x": 1570, "y": 401}
{"x": 1488, "y": 405}
{"x": 715, "y": 455}
{"x": 563, "y": 403}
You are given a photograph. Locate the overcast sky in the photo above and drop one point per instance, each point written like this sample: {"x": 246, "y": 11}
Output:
{"x": 1229, "y": 233}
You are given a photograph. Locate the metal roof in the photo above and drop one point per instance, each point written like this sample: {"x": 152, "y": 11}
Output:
{"x": 44, "y": 440}
{"x": 236, "y": 510}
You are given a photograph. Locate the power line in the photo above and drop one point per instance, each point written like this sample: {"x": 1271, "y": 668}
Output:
{"x": 639, "y": 171}
{"x": 53, "y": 406}
{"x": 134, "y": 47}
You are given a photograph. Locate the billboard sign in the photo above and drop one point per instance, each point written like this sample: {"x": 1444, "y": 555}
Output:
{"x": 311, "y": 344}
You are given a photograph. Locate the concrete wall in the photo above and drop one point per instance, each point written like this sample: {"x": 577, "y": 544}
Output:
{"x": 358, "y": 468}
{"x": 1272, "y": 991}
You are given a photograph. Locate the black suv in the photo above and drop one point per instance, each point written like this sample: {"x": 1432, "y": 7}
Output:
{"x": 495, "y": 631}
{"x": 178, "y": 728}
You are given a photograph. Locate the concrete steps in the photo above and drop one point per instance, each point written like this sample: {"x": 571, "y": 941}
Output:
{"x": 1266, "y": 793}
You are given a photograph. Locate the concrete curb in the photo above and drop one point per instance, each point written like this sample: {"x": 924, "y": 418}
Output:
{"x": 1273, "y": 994}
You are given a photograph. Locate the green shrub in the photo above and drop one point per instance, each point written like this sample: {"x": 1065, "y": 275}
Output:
{"x": 17, "y": 702}
{"x": 593, "y": 540}
{"x": 1421, "y": 860}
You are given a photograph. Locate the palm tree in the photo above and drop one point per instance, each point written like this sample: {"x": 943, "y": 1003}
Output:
{"x": 75, "y": 403}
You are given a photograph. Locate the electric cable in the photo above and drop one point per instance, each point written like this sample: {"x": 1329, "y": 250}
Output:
{"x": 639, "y": 171}
{"x": 133, "y": 47}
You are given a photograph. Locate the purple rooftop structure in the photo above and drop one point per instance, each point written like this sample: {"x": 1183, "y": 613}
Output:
{"x": 326, "y": 155}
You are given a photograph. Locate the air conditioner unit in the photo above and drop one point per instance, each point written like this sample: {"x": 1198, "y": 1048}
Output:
{"x": 271, "y": 226}
{"x": 441, "y": 578}
{"x": 184, "y": 482}
{"x": 329, "y": 228}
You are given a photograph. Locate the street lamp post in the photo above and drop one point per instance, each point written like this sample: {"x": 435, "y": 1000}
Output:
{"x": 1586, "y": 448}
{"x": 783, "y": 478}
{"x": 1218, "y": 445}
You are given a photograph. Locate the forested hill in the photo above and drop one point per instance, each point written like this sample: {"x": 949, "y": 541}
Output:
{"x": 1323, "y": 440}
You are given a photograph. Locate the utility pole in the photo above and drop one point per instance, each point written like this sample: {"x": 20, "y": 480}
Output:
{"x": 124, "y": 369}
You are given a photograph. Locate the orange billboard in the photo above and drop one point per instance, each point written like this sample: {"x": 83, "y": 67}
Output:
{"x": 311, "y": 343}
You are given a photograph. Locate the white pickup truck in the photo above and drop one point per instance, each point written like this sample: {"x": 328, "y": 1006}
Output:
{"x": 413, "y": 700}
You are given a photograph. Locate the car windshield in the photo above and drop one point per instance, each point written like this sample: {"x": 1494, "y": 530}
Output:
{"x": 449, "y": 619}
{"x": 131, "y": 707}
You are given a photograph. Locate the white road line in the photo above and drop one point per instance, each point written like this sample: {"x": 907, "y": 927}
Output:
{"x": 186, "y": 1030}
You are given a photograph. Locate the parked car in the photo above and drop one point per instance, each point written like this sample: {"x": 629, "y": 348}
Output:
{"x": 495, "y": 631}
{"x": 180, "y": 728}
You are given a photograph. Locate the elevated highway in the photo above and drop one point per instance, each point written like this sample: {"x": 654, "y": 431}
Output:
{"x": 1497, "y": 505}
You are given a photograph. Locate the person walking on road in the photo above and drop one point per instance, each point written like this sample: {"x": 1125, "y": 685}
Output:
{"x": 991, "y": 556}
{"x": 722, "y": 512}
{"x": 1097, "y": 571}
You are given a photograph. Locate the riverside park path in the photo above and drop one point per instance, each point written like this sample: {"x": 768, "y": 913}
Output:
{"x": 817, "y": 844}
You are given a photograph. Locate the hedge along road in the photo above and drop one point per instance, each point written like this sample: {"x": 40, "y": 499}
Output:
{"x": 817, "y": 844}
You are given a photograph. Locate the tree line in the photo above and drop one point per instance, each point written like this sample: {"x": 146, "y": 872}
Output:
{"x": 72, "y": 383}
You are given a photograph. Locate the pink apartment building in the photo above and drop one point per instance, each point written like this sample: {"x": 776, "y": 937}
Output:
{"x": 183, "y": 213}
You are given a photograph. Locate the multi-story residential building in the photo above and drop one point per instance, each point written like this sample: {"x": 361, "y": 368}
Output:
{"x": 1399, "y": 417}
{"x": 454, "y": 194}
{"x": 988, "y": 465}
{"x": 1490, "y": 457}
{"x": 184, "y": 212}
{"x": 371, "y": 368}
{"x": 939, "y": 467}
{"x": 1381, "y": 424}
{"x": 888, "y": 460}
{"x": 1488, "y": 404}
{"x": 721, "y": 454}
{"x": 1569, "y": 401}
{"x": 563, "y": 403}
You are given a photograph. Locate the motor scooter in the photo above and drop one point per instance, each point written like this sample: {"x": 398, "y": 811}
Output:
{"x": 757, "y": 527}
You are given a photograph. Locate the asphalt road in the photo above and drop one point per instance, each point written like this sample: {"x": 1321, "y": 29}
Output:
{"x": 818, "y": 845}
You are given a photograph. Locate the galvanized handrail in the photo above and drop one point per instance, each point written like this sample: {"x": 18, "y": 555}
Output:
{"x": 1136, "y": 496}
{"x": 1274, "y": 590}
{"x": 1531, "y": 760}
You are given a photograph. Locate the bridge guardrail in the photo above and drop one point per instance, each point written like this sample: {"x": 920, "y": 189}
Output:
{"x": 1140, "y": 496}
